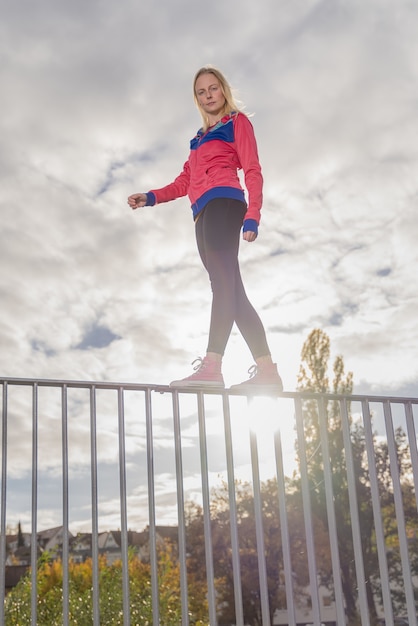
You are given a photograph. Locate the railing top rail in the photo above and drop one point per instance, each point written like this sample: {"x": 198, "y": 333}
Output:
{"x": 130, "y": 386}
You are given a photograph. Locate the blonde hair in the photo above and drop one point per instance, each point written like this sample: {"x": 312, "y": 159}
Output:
{"x": 231, "y": 104}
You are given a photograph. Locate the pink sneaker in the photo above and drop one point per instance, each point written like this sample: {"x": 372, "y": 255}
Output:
{"x": 207, "y": 374}
{"x": 263, "y": 378}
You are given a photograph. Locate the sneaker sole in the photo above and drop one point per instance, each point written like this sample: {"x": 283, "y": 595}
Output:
{"x": 258, "y": 389}
{"x": 191, "y": 383}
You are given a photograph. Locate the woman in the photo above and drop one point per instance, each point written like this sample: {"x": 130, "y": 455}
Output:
{"x": 224, "y": 145}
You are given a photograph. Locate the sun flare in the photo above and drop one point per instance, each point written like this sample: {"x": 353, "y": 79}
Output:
{"x": 271, "y": 420}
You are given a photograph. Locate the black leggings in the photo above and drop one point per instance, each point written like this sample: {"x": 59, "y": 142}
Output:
{"x": 218, "y": 234}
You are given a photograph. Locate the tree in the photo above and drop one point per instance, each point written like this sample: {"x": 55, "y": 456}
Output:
{"x": 222, "y": 549}
{"x": 389, "y": 518}
{"x": 20, "y": 538}
{"x": 313, "y": 376}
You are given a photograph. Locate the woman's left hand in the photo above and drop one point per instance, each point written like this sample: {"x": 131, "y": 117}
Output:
{"x": 249, "y": 235}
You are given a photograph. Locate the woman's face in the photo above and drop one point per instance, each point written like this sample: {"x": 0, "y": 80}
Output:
{"x": 209, "y": 95}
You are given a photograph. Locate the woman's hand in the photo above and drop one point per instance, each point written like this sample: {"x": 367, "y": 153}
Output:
{"x": 249, "y": 235}
{"x": 137, "y": 200}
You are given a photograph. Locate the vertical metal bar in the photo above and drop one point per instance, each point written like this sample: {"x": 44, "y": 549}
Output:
{"x": 355, "y": 523}
{"x": 180, "y": 511}
{"x": 151, "y": 509}
{"x": 65, "y": 514}
{"x": 284, "y": 529}
{"x": 332, "y": 525}
{"x": 400, "y": 516}
{"x": 3, "y": 501}
{"x": 236, "y": 568}
{"x": 206, "y": 510}
{"x": 94, "y": 508}
{"x": 34, "y": 534}
{"x": 412, "y": 440}
{"x": 123, "y": 509}
{"x": 259, "y": 532}
{"x": 377, "y": 514}
{"x": 307, "y": 513}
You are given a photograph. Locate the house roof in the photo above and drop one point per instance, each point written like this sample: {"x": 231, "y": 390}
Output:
{"x": 49, "y": 532}
{"x": 139, "y": 539}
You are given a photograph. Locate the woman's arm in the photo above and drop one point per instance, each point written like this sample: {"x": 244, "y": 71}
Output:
{"x": 178, "y": 188}
{"x": 246, "y": 147}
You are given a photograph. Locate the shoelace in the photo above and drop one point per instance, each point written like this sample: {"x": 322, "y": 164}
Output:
{"x": 200, "y": 364}
{"x": 252, "y": 371}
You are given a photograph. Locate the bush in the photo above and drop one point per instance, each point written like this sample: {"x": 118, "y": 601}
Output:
{"x": 49, "y": 596}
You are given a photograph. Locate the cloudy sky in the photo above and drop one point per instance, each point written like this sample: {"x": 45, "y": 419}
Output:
{"x": 96, "y": 104}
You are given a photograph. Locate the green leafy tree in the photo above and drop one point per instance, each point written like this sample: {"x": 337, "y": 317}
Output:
{"x": 389, "y": 518}
{"x": 313, "y": 376}
{"x": 222, "y": 549}
{"x": 20, "y": 538}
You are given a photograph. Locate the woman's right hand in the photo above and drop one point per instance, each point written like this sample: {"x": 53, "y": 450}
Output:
{"x": 137, "y": 200}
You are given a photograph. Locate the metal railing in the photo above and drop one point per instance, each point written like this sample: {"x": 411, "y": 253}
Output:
{"x": 170, "y": 446}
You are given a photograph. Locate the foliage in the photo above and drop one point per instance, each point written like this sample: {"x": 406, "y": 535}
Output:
{"x": 313, "y": 377}
{"x": 390, "y": 521}
{"x": 50, "y": 596}
{"x": 20, "y": 538}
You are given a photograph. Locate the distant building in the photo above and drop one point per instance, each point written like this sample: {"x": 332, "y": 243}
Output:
{"x": 80, "y": 547}
{"x": 110, "y": 543}
{"x": 52, "y": 539}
